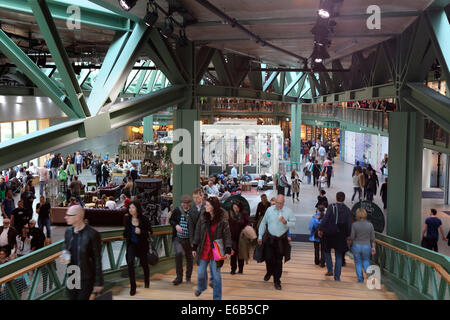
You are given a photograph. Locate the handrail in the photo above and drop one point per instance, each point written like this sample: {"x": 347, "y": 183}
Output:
{"x": 444, "y": 274}
{"x": 42, "y": 263}
{"x": 411, "y": 271}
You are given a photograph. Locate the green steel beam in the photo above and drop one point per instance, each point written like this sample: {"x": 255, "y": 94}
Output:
{"x": 439, "y": 27}
{"x": 293, "y": 83}
{"x": 431, "y": 103}
{"x": 135, "y": 73}
{"x": 203, "y": 59}
{"x": 243, "y": 93}
{"x": 271, "y": 79}
{"x": 164, "y": 58}
{"x": 44, "y": 141}
{"x": 88, "y": 16}
{"x": 222, "y": 70}
{"x": 116, "y": 9}
{"x": 32, "y": 71}
{"x": 56, "y": 47}
{"x": 301, "y": 85}
{"x": 84, "y": 75}
{"x": 255, "y": 77}
{"x": 141, "y": 80}
{"x": 368, "y": 93}
{"x": 116, "y": 68}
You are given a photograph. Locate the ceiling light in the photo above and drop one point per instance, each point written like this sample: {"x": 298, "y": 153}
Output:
{"x": 318, "y": 60}
{"x": 168, "y": 28}
{"x": 151, "y": 17}
{"x": 127, "y": 4}
{"x": 324, "y": 14}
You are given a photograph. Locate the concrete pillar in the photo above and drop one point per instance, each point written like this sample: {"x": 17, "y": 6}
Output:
{"x": 427, "y": 168}
{"x": 405, "y": 176}
{"x": 148, "y": 128}
{"x": 296, "y": 127}
{"x": 186, "y": 176}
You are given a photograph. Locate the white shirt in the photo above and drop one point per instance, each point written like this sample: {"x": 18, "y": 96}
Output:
{"x": 111, "y": 204}
{"x": 23, "y": 247}
{"x": 43, "y": 174}
{"x": 274, "y": 225}
{"x": 234, "y": 172}
{"x": 33, "y": 170}
{"x": 214, "y": 191}
{"x": 322, "y": 151}
{"x": 4, "y": 237}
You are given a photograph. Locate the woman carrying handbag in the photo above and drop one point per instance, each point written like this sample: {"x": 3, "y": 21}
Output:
{"x": 137, "y": 235}
{"x": 212, "y": 245}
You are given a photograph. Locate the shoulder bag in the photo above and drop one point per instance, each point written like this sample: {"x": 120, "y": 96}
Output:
{"x": 218, "y": 248}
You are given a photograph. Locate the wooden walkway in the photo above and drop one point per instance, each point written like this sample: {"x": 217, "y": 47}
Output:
{"x": 301, "y": 280}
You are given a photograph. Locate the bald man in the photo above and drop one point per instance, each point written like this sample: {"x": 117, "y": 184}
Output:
{"x": 84, "y": 244}
{"x": 278, "y": 219}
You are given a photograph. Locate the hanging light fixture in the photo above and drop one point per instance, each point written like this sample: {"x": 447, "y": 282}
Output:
{"x": 127, "y": 5}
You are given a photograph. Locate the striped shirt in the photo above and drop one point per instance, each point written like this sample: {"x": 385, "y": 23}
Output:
{"x": 184, "y": 226}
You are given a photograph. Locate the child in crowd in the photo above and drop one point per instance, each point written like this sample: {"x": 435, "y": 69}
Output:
{"x": 319, "y": 257}
{"x": 322, "y": 180}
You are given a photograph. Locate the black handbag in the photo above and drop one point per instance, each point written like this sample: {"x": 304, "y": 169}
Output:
{"x": 152, "y": 255}
{"x": 258, "y": 253}
{"x": 331, "y": 229}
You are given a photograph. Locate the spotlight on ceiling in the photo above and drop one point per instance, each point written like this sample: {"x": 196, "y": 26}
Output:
{"x": 151, "y": 16}
{"x": 318, "y": 60}
{"x": 323, "y": 13}
{"x": 127, "y": 5}
{"x": 168, "y": 28}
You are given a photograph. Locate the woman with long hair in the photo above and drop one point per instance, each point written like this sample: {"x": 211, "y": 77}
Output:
{"x": 214, "y": 221}
{"x": 238, "y": 220}
{"x": 137, "y": 234}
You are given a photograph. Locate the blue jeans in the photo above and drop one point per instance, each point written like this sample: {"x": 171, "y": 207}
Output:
{"x": 42, "y": 185}
{"x": 361, "y": 254}
{"x": 338, "y": 263}
{"x": 203, "y": 278}
{"x": 309, "y": 177}
{"x": 45, "y": 222}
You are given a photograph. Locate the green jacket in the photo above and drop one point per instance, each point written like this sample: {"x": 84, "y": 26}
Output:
{"x": 62, "y": 175}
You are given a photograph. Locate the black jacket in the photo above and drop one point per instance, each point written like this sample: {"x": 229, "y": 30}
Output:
{"x": 316, "y": 170}
{"x": 192, "y": 219}
{"x": 339, "y": 240}
{"x": 38, "y": 236}
{"x": 222, "y": 232}
{"x": 89, "y": 255}
{"x": 144, "y": 236}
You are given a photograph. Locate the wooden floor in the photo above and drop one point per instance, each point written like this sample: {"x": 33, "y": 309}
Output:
{"x": 301, "y": 280}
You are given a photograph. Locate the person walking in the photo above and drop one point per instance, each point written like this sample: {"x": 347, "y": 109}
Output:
{"x": 211, "y": 226}
{"x": 84, "y": 248}
{"x": 322, "y": 181}
{"x": 383, "y": 193}
{"x": 316, "y": 170}
{"x": 43, "y": 210}
{"x": 238, "y": 220}
{"x": 261, "y": 211}
{"x": 308, "y": 170}
{"x": 335, "y": 229}
{"x": 371, "y": 186}
{"x": 357, "y": 187}
{"x": 70, "y": 170}
{"x": 319, "y": 254}
{"x": 356, "y": 169}
{"x": 183, "y": 221}
{"x": 44, "y": 177}
{"x": 363, "y": 242}
{"x": 431, "y": 231}
{"x": 137, "y": 232}
{"x": 328, "y": 168}
{"x": 278, "y": 219}
{"x": 283, "y": 183}
{"x": 75, "y": 189}
{"x": 78, "y": 162}
{"x": 295, "y": 182}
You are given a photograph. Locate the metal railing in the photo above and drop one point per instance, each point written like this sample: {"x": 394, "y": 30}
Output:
{"x": 411, "y": 271}
{"x": 40, "y": 276}
{"x": 362, "y": 117}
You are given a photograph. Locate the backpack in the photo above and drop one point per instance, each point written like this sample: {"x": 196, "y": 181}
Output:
{"x": 332, "y": 229}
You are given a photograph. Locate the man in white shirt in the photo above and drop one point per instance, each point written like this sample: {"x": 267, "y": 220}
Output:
{"x": 78, "y": 162}
{"x": 213, "y": 191}
{"x": 111, "y": 204}
{"x": 33, "y": 169}
{"x": 44, "y": 176}
{"x": 234, "y": 172}
{"x": 7, "y": 236}
{"x": 278, "y": 220}
{"x": 322, "y": 153}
